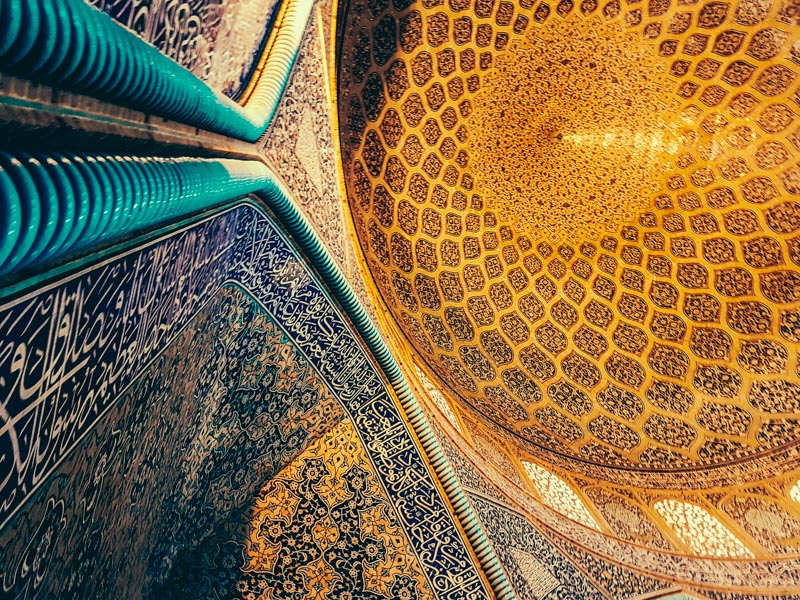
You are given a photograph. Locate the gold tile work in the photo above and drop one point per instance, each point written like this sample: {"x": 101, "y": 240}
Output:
{"x": 763, "y": 515}
{"x": 438, "y": 399}
{"x": 324, "y": 528}
{"x": 555, "y": 492}
{"x": 585, "y": 219}
{"x": 553, "y": 110}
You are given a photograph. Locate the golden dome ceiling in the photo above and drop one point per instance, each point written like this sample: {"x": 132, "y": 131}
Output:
{"x": 553, "y": 110}
{"x": 585, "y": 219}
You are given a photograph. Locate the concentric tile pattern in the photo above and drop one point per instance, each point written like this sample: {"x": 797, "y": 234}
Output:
{"x": 631, "y": 300}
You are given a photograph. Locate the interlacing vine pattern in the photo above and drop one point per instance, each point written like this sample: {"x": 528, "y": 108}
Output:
{"x": 665, "y": 343}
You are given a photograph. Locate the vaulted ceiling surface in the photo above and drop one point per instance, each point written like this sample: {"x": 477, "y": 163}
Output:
{"x": 585, "y": 220}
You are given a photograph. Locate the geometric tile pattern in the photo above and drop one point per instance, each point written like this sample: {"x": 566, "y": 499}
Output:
{"x": 322, "y": 528}
{"x": 628, "y": 512}
{"x": 659, "y": 333}
{"x": 228, "y": 404}
{"x": 299, "y": 146}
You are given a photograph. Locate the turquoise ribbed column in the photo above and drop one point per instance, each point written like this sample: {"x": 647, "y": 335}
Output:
{"x": 73, "y": 45}
{"x": 54, "y": 204}
{"x": 278, "y": 198}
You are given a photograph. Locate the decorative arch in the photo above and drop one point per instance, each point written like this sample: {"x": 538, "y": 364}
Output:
{"x": 701, "y": 531}
{"x": 558, "y": 495}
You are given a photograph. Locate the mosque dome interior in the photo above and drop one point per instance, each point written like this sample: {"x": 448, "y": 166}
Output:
{"x": 394, "y": 299}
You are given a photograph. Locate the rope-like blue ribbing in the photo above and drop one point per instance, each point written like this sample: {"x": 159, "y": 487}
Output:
{"x": 70, "y": 44}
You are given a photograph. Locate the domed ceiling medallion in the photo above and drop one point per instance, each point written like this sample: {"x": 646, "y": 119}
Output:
{"x": 573, "y": 130}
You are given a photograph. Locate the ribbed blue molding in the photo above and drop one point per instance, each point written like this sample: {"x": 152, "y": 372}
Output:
{"x": 54, "y": 204}
{"x": 273, "y": 75}
{"x": 70, "y": 44}
{"x": 278, "y": 198}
